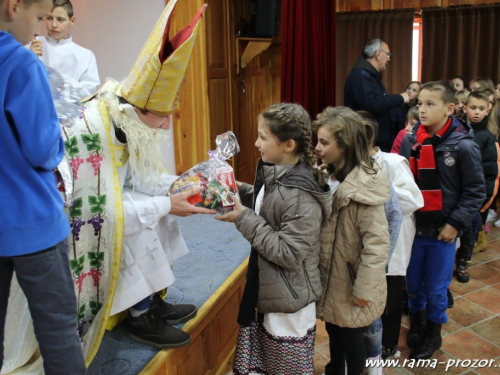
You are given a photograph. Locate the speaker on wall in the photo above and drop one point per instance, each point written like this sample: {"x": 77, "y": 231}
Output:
{"x": 264, "y": 18}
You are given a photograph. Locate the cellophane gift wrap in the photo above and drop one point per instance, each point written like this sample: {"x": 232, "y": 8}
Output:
{"x": 214, "y": 177}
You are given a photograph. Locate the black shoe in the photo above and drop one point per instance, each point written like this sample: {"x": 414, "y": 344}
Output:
{"x": 431, "y": 341}
{"x": 173, "y": 314}
{"x": 451, "y": 302}
{"x": 415, "y": 333}
{"x": 462, "y": 271}
{"x": 149, "y": 328}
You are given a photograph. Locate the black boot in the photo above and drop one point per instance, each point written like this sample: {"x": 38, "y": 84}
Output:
{"x": 462, "y": 271}
{"x": 149, "y": 328}
{"x": 431, "y": 342}
{"x": 173, "y": 314}
{"x": 414, "y": 334}
{"x": 451, "y": 301}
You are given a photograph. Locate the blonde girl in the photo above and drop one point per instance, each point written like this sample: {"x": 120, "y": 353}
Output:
{"x": 290, "y": 200}
{"x": 412, "y": 89}
{"x": 482, "y": 83}
{"x": 353, "y": 269}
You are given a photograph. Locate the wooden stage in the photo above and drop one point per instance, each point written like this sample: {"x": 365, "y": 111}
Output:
{"x": 214, "y": 332}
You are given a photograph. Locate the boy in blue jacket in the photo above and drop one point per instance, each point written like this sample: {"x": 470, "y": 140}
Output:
{"x": 33, "y": 226}
{"x": 446, "y": 164}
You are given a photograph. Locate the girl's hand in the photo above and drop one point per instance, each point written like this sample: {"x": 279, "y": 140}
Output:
{"x": 361, "y": 302}
{"x": 230, "y": 217}
{"x": 238, "y": 184}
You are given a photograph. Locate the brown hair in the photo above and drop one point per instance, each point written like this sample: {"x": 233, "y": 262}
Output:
{"x": 485, "y": 82}
{"x": 413, "y": 113}
{"x": 462, "y": 95}
{"x": 478, "y": 94}
{"x": 447, "y": 92}
{"x": 493, "y": 125}
{"x": 371, "y": 126}
{"x": 66, "y": 5}
{"x": 291, "y": 121}
{"x": 348, "y": 129}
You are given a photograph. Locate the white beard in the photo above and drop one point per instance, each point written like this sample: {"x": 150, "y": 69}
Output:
{"x": 143, "y": 143}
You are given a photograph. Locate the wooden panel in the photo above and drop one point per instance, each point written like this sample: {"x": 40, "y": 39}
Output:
{"x": 191, "y": 119}
{"x": 216, "y": 34}
{"x": 219, "y": 52}
{"x": 177, "y": 361}
{"x": 219, "y": 108}
{"x": 223, "y": 331}
{"x": 431, "y": 3}
{"x": 195, "y": 360}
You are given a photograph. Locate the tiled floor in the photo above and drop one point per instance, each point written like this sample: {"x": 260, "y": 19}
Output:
{"x": 473, "y": 329}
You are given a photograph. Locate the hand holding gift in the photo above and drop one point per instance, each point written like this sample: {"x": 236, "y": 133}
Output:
{"x": 230, "y": 217}
{"x": 213, "y": 177}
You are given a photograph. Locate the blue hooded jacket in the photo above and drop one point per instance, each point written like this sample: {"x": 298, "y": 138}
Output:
{"x": 31, "y": 210}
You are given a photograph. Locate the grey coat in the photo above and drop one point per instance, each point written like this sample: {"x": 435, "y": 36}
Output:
{"x": 284, "y": 237}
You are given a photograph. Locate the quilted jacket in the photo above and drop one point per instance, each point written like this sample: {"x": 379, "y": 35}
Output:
{"x": 283, "y": 274}
{"x": 355, "y": 265}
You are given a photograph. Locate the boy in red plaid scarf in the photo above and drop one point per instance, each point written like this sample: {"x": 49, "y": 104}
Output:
{"x": 446, "y": 164}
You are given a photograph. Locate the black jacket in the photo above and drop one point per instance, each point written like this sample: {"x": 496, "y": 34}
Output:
{"x": 364, "y": 90}
{"x": 460, "y": 171}
{"x": 488, "y": 147}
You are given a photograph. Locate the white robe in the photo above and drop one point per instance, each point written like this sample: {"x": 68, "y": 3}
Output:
{"x": 74, "y": 62}
{"x": 152, "y": 239}
{"x": 410, "y": 199}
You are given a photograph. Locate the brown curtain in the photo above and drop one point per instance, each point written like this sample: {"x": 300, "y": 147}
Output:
{"x": 461, "y": 41}
{"x": 354, "y": 29}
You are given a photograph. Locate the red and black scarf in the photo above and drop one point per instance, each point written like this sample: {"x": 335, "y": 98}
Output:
{"x": 423, "y": 167}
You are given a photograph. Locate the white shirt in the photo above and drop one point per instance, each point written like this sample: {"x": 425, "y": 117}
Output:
{"x": 76, "y": 63}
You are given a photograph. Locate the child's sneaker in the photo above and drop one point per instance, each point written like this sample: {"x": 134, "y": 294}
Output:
{"x": 497, "y": 223}
{"x": 390, "y": 352}
{"x": 492, "y": 216}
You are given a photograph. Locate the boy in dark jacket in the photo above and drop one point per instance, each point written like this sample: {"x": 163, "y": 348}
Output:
{"x": 446, "y": 164}
{"x": 477, "y": 109}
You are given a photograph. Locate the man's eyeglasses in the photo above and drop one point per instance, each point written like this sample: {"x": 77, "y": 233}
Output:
{"x": 388, "y": 53}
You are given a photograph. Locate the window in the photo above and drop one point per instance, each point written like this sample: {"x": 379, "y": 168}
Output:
{"x": 416, "y": 65}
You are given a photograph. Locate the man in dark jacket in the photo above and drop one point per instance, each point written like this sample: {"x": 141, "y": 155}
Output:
{"x": 364, "y": 90}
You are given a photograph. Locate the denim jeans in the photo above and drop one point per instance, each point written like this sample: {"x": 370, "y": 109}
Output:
{"x": 372, "y": 337}
{"x": 46, "y": 280}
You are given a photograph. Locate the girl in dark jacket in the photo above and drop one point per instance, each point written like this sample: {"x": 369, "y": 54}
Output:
{"x": 290, "y": 202}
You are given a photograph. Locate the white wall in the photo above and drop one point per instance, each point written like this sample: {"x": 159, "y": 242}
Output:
{"x": 116, "y": 30}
